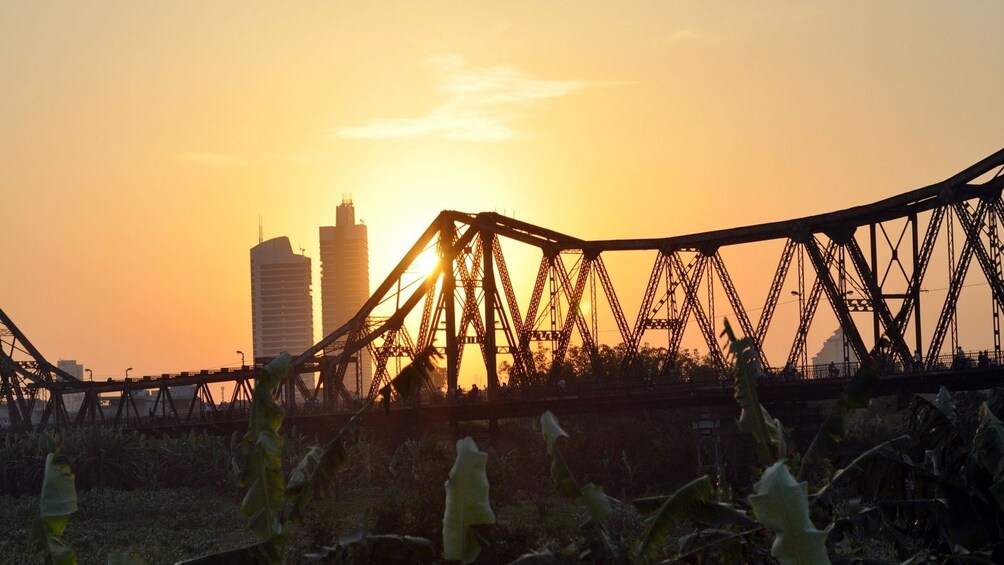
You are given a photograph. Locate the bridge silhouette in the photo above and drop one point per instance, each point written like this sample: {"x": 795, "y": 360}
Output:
{"x": 896, "y": 276}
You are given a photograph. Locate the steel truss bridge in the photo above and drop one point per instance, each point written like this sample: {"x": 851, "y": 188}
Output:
{"x": 898, "y": 277}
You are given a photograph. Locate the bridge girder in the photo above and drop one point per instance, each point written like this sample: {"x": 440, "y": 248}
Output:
{"x": 472, "y": 299}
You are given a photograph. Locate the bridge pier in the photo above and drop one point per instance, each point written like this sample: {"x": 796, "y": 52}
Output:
{"x": 707, "y": 429}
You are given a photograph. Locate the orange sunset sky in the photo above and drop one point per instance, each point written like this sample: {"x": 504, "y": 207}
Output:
{"x": 140, "y": 141}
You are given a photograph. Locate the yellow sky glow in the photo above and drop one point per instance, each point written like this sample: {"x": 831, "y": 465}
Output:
{"x": 140, "y": 143}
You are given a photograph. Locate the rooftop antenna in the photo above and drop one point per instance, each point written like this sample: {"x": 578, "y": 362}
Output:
{"x": 260, "y": 236}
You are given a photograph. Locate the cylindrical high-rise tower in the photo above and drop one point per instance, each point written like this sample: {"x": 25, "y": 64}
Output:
{"x": 345, "y": 282}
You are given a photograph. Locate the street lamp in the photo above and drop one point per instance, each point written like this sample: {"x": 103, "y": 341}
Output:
{"x": 90, "y": 373}
{"x": 127, "y": 372}
{"x": 241, "y": 353}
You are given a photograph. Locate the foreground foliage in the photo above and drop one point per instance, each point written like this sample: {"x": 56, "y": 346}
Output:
{"x": 935, "y": 494}
{"x": 931, "y": 495}
{"x": 57, "y": 501}
{"x": 273, "y": 504}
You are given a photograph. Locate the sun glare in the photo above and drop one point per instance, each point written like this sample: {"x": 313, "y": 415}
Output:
{"x": 425, "y": 263}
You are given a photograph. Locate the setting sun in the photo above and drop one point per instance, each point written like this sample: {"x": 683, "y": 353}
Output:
{"x": 425, "y": 263}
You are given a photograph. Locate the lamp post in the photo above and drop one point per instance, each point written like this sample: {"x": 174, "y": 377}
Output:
{"x": 241, "y": 353}
{"x": 90, "y": 374}
{"x": 127, "y": 372}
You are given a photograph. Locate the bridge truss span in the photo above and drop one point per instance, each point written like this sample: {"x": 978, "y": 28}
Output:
{"x": 910, "y": 279}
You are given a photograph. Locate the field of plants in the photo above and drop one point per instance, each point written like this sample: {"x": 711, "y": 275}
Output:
{"x": 913, "y": 480}
{"x": 153, "y": 496}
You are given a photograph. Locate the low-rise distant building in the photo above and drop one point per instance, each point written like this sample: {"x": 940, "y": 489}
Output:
{"x": 833, "y": 352}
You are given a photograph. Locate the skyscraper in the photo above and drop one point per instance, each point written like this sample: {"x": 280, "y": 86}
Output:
{"x": 345, "y": 281}
{"x": 281, "y": 307}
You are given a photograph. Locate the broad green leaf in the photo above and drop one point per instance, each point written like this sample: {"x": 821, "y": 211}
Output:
{"x": 932, "y": 425}
{"x": 544, "y": 557}
{"x": 719, "y": 514}
{"x": 411, "y": 379}
{"x": 50, "y": 547}
{"x": 880, "y": 472}
{"x": 677, "y": 509}
{"x": 753, "y": 418}
{"x": 712, "y": 514}
{"x": 316, "y": 469}
{"x": 266, "y": 414}
{"x": 57, "y": 501}
{"x": 59, "y": 494}
{"x": 932, "y": 422}
{"x": 60, "y": 553}
{"x": 857, "y": 394}
{"x": 988, "y": 447}
{"x": 260, "y": 449}
{"x": 860, "y": 521}
{"x": 564, "y": 482}
{"x": 946, "y": 404}
{"x": 597, "y": 502}
{"x": 782, "y": 504}
{"x": 729, "y": 545}
{"x": 466, "y": 503}
{"x": 551, "y": 429}
{"x": 264, "y": 499}
{"x": 299, "y": 475}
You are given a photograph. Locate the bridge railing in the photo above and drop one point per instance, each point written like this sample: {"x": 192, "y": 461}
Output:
{"x": 581, "y": 388}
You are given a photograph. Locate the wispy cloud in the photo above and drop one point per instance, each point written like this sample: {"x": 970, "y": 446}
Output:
{"x": 683, "y": 36}
{"x": 209, "y": 159}
{"x": 305, "y": 157}
{"x": 481, "y": 103}
{"x": 688, "y": 36}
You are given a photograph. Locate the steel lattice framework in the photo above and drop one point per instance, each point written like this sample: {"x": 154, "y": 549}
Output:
{"x": 866, "y": 269}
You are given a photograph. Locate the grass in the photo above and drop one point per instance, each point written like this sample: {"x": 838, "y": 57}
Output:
{"x": 166, "y": 526}
{"x": 162, "y": 526}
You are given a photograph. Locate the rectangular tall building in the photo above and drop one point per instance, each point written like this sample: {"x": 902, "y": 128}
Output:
{"x": 281, "y": 306}
{"x": 72, "y": 401}
{"x": 345, "y": 282}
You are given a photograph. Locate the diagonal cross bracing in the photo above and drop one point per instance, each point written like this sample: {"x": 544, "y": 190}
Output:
{"x": 457, "y": 299}
{"x": 951, "y": 300}
{"x": 865, "y": 273}
{"x": 736, "y": 303}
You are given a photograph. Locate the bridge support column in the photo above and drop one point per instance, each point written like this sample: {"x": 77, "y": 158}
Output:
{"x": 708, "y": 433}
{"x": 447, "y": 235}
{"x": 707, "y": 428}
{"x": 488, "y": 284}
